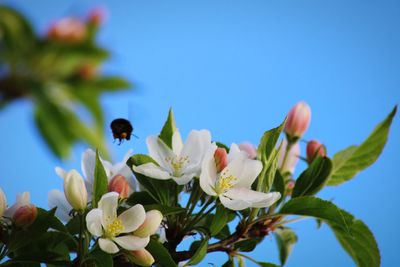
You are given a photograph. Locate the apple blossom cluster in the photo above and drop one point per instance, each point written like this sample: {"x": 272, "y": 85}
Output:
{"x": 138, "y": 211}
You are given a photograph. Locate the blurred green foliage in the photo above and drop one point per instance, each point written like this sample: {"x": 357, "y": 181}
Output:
{"x": 58, "y": 72}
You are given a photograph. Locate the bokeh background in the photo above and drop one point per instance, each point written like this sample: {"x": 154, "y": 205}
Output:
{"x": 236, "y": 68}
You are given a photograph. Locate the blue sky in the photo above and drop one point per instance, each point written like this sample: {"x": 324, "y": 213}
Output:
{"x": 236, "y": 68}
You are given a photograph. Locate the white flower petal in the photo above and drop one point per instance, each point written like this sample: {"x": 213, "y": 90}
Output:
{"x": 57, "y": 199}
{"x": 61, "y": 172}
{"x": 177, "y": 143}
{"x": 108, "y": 204}
{"x": 131, "y": 242}
{"x": 244, "y": 169}
{"x": 196, "y": 146}
{"x": 152, "y": 170}
{"x": 93, "y": 222}
{"x": 22, "y": 200}
{"x": 184, "y": 179}
{"x": 250, "y": 170}
{"x": 88, "y": 163}
{"x": 108, "y": 246}
{"x": 132, "y": 218}
{"x": 234, "y": 151}
{"x": 256, "y": 199}
{"x": 159, "y": 151}
{"x": 234, "y": 204}
{"x": 208, "y": 174}
{"x": 268, "y": 200}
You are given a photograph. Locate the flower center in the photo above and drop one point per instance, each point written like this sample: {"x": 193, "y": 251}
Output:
{"x": 177, "y": 164}
{"x": 114, "y": 228}
{"x": 225, "y": 182}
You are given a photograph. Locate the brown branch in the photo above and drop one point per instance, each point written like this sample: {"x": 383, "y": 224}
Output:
{"x": 258, "y": 229}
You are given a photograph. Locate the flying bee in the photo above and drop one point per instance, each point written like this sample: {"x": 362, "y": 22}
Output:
{"x": 121, "y": 129}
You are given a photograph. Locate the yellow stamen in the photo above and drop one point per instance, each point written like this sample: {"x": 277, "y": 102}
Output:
{"x": 225, "y": 182}
{"x": 177, "y": 164}
{"x": 114, "y": 228}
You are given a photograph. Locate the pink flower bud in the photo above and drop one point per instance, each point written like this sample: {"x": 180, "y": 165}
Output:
{"x": 70, "y": 30}
{"x": 97, "y": 16}
{"x": 141, "y": 257}
{"x": 87, "y": 71}
{"x": 3, "y": 203}
{"x": 298, "y": 121}
{"x": 289, "y": 163}
{"x": 289, "y": 187}
{"x": 25, "y": 215}
{"x": 150, "y": 224}
{"x": 221, "y": 158}
{"x": 120, "y": 185}
{"x": 315, "y": 149}
{"x": 249, "y": 149}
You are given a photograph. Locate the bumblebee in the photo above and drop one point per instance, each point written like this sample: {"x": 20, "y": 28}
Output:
{"x": 121, "y": 129}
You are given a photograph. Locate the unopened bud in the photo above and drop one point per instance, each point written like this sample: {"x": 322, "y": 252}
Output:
{"x": 120, "y": 185}
{"x": 25, "y": 215}
{"x": 287, "y": 160}
{"x": 150, "y": 224}
{"x": 298, "y": 121}
{"x": 69, "y": 30}
{"x": 87, "y": 71}
{"x": 97, "y": 16}
{"x": 141, "y": 257}
{"x": 221, "y": 158}
{"x": 249, "y": 149}
{"x": 315, "y": 149}
{"x": 3, "y": 203}
{"x": 75, "y": 190}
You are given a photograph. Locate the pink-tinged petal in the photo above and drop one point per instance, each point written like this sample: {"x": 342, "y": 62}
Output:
{"x": 108, "y": 246}
{"x": 292, "y": 157}
{"x": 131, "y": 242}
{"x": 298, "y": 120}
{"x": 315, "y": 149}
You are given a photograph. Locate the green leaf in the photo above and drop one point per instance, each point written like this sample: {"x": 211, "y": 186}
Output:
{"x": 313, "y": 178}
{"x": 318, "y": 208}
{"x": 100, "y": 183}
{"x": 266, "y": 264}
{"x": 279, "y": 186}
{"x": 200, "y": 253}
{"x": 161, "y": 190}
{"x": 360, "y": 243}
{"x": 348, "y": 162}
{"x": 268, "y": 143}
{"x": 160, "y": 254}
{"x": 219, "y": 221}
{"x": 140, "y": 197}
{"x": 268, "y": 153}
{"x": 168, "y": 130}
{"x": 247, "y": 245}
{"x": 285, "y": 239}
{"x": 102, "y": 258}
